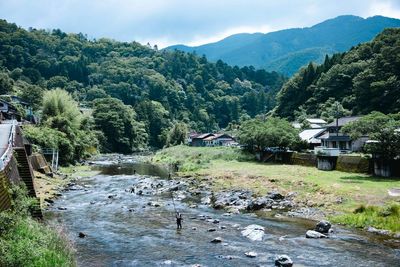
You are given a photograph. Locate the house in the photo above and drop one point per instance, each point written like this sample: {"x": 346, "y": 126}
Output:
{"x": 210, "y": 139}
{"x": 313, "y": 123}
{"x": 198, "y": 139}
{"x": 309, "y": 136}
{"x": 332, "y": 138}
{"x": 8, "y": 111}
{"x": 219, "y": 140}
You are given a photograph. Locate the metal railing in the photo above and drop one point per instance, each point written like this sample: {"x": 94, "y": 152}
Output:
{"x": 8, "y": 153}
{"x": 54, "y": 156}
{"x": 326, "y": 151}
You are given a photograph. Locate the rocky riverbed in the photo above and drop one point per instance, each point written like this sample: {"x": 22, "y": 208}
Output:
{"x": 125, "y": 216}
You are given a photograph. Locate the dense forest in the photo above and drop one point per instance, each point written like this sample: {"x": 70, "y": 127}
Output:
{"x": 362, "y": 80}
{"x": 158, "y": 87}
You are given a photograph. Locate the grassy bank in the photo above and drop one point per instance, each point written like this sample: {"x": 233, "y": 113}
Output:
{"x": 48, "y": 187}
{"x": 27, "y": 242}
{"x": 334, "y": 192}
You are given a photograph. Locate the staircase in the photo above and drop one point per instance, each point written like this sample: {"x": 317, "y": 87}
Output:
{"x": 27, "y": 176}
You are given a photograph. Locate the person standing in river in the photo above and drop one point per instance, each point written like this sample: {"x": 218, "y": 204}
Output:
{"x": 178, "y": 220}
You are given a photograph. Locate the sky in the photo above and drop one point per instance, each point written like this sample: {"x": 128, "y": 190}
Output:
{"x": 190, "y": 22}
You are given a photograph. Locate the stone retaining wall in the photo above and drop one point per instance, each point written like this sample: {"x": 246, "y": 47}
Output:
{"x": 347, "y": 163}
{"x": 304, "y": 159}
{"x": 8, "y": 176}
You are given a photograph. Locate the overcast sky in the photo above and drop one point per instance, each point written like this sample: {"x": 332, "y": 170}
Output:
{"x": 191, "y": 22}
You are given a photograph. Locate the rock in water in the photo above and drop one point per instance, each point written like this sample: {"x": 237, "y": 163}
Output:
{"x": 323, "y": 227}
{"x": 283, "y": 261}
{"x": 216, "y": 240}
{"x": 254, "y": 232}
{"x": 314, "y": 234}
{"x": 251, "y": 254}
{"x": 378, "y": 231}
{"x": 81, "y": 235}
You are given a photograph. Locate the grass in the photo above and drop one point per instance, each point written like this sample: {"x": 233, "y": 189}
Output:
{"x": 195, "y": 158}
{"x": 335, "y": 192}
{"x": 47, "y": 187}
{"x": 26, "y": 242}
{"x": 78, "y": 171}
{"x": 385, "y": 217}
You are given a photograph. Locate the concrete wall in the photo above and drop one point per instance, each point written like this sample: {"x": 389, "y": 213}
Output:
{"x": 8, "y": 176}
{"x": 326, "y": 163}
{"x": 40, "y": 164}
{"x": 349, "y": 163}
{"x": 304, "y": 159}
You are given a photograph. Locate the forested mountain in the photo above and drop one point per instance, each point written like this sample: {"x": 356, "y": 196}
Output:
{"x": 161, "y": 86}
{"x": 287, "y": 50}
{"x": 364, "y": 79}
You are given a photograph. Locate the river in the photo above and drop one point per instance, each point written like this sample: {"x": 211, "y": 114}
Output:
{"x": 122, "y": 229}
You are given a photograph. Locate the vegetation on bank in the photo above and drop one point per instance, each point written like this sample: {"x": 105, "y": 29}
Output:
{"x": 383, "y": 217}
{"x": 64, "y": 127}
{"x": 27, "y": 242}
{"x": 334, "y": 192}
{"x": 189, "y": 159}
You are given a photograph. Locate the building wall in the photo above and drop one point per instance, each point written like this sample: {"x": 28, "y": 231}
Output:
{"x": 197, "y": 142}
{"x": 358, "y": 144}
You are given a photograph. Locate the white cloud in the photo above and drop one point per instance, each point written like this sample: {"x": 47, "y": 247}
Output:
{"x": 386, "y": 8}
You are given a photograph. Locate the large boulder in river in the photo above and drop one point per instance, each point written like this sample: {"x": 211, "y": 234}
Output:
{"x": 216, "y": 240}
{"x": 260, "y": 203}
{"x": 283, "y": 261}
{"x": 254, "y": 232}
{"x": 314, "y": 234}
{"x": 323, "y": 227}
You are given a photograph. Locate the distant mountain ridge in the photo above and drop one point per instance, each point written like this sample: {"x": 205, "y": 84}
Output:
{"x": 286, "y": 51}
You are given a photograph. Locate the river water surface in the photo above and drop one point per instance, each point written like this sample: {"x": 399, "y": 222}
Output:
{"x": 123, "y": 230}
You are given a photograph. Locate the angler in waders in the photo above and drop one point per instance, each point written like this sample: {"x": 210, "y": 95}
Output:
{"x": 178, "y": 220}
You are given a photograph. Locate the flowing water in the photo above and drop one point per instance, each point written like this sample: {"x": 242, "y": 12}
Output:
{"x": 123, "y": 230}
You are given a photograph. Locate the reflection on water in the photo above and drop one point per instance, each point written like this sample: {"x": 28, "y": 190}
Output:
{"x": 133, "y": 168}
{"x": 125, "y": 231}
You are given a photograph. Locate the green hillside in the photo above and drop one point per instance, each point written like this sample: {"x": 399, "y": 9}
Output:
{"x": 364, "y": 79}
{"x": 161, "y": 87}
{"x": 287, "y": 50}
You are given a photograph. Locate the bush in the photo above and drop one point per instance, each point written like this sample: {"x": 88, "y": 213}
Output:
{"x": 26, "y": 242}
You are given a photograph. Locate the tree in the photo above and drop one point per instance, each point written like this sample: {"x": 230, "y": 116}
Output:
{"x": 274, "y": 132}
{"x": 382, "y": 129}
{"x": 60, "y": 111}
{"x": 156, "y": 119}
{"x": 331, "y": 110}
{"x": 117, "y": 121}
{"x": 32, "y": 94}
{"x": 62, "y": 120}
{"x": 6, "y": 84}
{"x": 177, "y": 134}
